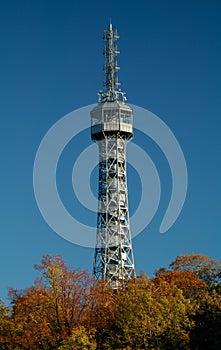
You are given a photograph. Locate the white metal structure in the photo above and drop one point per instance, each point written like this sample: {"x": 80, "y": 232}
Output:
{"x": 111, "y": 128}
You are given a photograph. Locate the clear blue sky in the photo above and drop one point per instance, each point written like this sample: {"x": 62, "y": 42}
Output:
{"x": 51, "y": 63}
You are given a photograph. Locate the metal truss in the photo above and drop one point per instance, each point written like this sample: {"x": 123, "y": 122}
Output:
{"x": 113, "y": 254}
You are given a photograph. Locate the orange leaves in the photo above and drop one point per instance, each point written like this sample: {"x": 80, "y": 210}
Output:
{"x": 101, "y": 309}
{"x": 46, "y": 313}
{"x": 208, "y": 270}
{"x": 191, "y": 285}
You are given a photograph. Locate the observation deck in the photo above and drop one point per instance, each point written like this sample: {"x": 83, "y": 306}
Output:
{"x": 111, "y": 118}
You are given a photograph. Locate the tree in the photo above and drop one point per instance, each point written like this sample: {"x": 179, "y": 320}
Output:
{"x": 150, "y": 317}
{"x": 68, "y": 291}
{"x": 4, "y": 326}
{"x": 191, "y": 286}
{"x": 45, "y": 314}
{"x": 208, "y": 270}
{"x": 80, "y": 339}
{"x": 31, "y": 326}
{"x": 101, "y": 312}
{"x": 207, "y": 331}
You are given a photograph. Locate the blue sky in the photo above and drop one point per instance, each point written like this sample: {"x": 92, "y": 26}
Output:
{"x": 51, "y": 63}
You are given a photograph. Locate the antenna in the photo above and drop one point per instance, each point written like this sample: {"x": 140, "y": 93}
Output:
{"x": 111, "y": 67}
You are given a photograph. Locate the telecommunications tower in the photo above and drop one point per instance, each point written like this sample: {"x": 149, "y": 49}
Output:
{"x": 111, "y": 129}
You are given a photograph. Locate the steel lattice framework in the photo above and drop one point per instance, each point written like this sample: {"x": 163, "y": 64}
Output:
{"x": 111, "y": 129}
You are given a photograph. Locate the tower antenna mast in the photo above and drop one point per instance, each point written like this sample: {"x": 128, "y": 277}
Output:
{"x": 111, "y": 67}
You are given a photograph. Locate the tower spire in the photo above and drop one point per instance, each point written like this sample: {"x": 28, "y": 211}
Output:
{"x": 111, "y": 84}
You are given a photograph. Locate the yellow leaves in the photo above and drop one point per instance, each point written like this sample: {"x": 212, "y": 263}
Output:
{"x": 80, "y": 339}
{"x": 148, "y": 312}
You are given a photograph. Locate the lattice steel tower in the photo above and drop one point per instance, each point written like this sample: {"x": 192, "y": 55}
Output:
{"x": 111, "y": 129}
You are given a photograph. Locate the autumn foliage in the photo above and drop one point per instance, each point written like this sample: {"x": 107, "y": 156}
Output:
{"x": 179, "y": 308}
